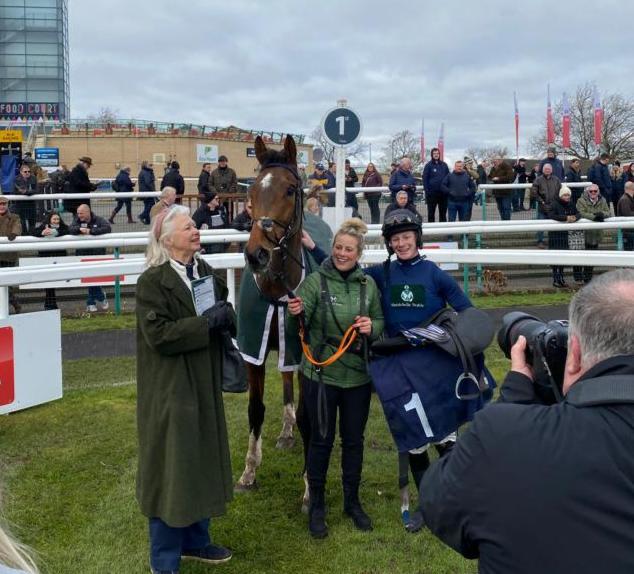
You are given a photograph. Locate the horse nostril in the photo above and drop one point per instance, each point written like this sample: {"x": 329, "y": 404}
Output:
{"x": 258, "y": 259}
{"x": 262, "y": 256}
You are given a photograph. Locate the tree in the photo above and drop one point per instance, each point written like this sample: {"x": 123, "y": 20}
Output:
{"x": 105, "y": 115}
{"x": 352, "y": 151}
{"x": 401, "y": 144}
{"x": 489, "y": 152}
{"x": 618, "y": 126}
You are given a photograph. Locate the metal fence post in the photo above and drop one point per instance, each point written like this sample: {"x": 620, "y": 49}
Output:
{"x": 619, "y": 239}
{"x": 479, "y": 265}
{"x": 117, "y": 288}
{"x": 465, "y": 267}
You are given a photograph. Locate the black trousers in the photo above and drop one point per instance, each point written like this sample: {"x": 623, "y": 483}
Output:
{"x": 436, "y": 200}
{"x": 354, "y": 406}
{"x": 375, "y": 212}
{"x": 120, "y": 204}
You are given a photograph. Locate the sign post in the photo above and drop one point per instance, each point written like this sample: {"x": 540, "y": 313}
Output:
{"x": 341, "y": 126}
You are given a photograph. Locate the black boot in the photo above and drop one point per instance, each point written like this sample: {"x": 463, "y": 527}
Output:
{"x": 317, "y": 514}
{"x": 352, "y": 507}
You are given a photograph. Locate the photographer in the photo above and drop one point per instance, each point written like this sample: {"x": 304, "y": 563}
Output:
{"x": 538, "y": 487}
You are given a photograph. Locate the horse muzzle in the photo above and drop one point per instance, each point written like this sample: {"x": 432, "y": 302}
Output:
{"x": 258, "y": 259}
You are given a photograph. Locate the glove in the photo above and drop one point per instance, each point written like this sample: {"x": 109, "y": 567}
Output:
{"x": 599, "y": 217}
{"x": 221, "y": 317}
{"x": 11, "y": 236}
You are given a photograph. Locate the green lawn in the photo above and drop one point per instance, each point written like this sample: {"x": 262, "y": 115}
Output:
{"x": 68, "y": 470}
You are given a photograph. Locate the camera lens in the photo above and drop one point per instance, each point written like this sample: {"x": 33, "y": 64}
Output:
{"x": 515, "y": 324}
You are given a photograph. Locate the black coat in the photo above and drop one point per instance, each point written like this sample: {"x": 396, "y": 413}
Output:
{"x": 203, "y": 186}
{"x": 532, "y": 488}
{"x": 126, "y": 185}
{"x": 97, "y": 225}
{"x": 560, "y": 211}
{"x": 174, "y": 179}
{"x": 61, "y": 230}
{"x": 78, "y": 182}
{"x": 147, "y": 181}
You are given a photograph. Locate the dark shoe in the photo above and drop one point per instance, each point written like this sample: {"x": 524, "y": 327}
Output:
{"x": 361, "y": 520}
{"x": 17, "y": 308}
{"x": 130, "y": 220}
{"x": 560, "y": 284}
{"x": 111, "y": 220}
{"x": 163, "y": 571}
{"x": 413, "y": 522}
{"x": 541, "y": 245}
{"x": 210, "y": 554}
{"x": 317, "y": 514}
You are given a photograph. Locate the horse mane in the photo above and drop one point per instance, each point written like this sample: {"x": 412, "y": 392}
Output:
{"x": 276, "y": 156}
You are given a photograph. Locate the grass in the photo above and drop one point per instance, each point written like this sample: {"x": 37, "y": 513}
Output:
{"x": 68, "y": 470}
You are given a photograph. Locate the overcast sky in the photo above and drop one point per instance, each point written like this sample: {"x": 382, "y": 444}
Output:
{"x": 280, "y": 65}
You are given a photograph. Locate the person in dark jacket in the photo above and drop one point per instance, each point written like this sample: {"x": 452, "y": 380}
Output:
{"x": 625, "y": 208}
{"x": 433, "y": 175}
{"x": 372, "y": 178}
{"x": 403, "y": 180}
{"x": 552, "y": 159}
{"x": 124, "y": 185}
{"x": 327, "y": 181}
{"x": 79, "y": 182}
{"x": 87, "y": 223}
{"x": 573, "y": 175}
{"x": 184, "y": 464}
{"x": 26, "y": 184}
{"x": 223, "y": 179}
{"x": 402, "y": 202}
{"x": 545, "y": 189}
{"x": 599, "y": 173}
{"x": 173, "y": 178}
{"x": 502, "y": 172}
{"x": 351, "y": 178}
{"x": 520, "y": 177}
{"x": 483, "y": 172}
{"x": 534, "y": 485}
{"x": 52, "y": 226}
{"x": 244, "y": 220}
{"x": 211, "y": 215}
{"x": 10, "y": 227}
{"x": 460, "y": 191}
{"x": 204, "y": 190}
{"x": 534, "y": 173}
{"x": 562, "y": 209}
{"x": 147, "y": 182}
{"x": 618, "y": 182}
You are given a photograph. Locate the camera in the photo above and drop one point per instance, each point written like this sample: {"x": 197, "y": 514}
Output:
{"x": 546, "y": 349}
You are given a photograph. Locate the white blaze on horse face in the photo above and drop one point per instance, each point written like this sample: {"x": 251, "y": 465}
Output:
{"x": 265, "y": 182}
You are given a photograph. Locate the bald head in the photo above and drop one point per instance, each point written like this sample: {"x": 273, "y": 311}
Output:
{"x": 83, "y": 213}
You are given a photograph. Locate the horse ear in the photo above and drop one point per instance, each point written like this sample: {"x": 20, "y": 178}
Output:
{"x": 260, "y": 149}
{"x": 291, "y": 149}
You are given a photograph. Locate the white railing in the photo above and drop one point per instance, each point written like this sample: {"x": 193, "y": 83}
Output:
{"x": 140, "y": 238}
{"x": 230, "y": 262}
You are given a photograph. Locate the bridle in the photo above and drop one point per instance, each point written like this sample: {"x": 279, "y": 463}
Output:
{"x": 290, "y": 229}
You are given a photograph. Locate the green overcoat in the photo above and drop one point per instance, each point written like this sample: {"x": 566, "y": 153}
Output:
{"x": 184, "y": 472}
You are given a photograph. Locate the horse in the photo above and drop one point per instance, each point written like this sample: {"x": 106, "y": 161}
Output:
{"x": 275, "y": 268}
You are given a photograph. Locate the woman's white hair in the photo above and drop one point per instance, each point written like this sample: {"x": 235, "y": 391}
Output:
{"x": 15, "y": 555}
{"x": 162, "y": 228}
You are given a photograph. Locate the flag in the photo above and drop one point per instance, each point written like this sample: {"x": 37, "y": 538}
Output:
{"x": 441, "y": 141}
{"x": 598, "y": 118}
{"x": 517, "y": 126}
{"x": 565, "y": 128}
{"x": 422, "y": 142}
{"x": 550, "y": 125}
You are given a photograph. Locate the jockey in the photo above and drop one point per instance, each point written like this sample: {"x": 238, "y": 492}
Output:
{"x": 413, "y": 290}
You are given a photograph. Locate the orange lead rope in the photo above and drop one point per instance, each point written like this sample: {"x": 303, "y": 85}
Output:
{"x": 348, "y": 338}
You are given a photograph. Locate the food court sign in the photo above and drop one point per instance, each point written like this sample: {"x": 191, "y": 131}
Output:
{"x": 28, "y": 111}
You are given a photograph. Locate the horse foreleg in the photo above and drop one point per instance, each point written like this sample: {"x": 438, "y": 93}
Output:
{"x": 303, "y": 424}
{"x": 253, "y": 459}
{"x": 286, "y": 438}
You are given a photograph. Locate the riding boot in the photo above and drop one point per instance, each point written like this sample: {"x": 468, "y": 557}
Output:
{"x": 130, "y": 220}
{"x": 317, "y": 513}
{"x": 112, "y": 215}
{"x": 352, "y": 507}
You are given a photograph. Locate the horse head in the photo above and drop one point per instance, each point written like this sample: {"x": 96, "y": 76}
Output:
{"x": 273, "y": 249}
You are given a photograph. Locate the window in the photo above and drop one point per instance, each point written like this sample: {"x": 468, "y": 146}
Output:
{"x": 12, "y": 48}
{"x": 41, "y": 49}
{"x": 11, "y": 12}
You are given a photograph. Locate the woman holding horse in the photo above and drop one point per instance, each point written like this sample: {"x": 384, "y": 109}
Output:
{"x": 336, "y": 305}
{"x": 184, "y": 472}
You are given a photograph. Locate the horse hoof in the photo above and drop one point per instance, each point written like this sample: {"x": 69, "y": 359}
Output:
{"x": 239, "y": 487}
{"x": 285, "y": 442}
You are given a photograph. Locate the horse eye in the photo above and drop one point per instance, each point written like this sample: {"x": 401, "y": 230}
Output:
{"x": 291, "y": 190}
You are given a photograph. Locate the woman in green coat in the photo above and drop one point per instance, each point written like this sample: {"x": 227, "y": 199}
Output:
{"x": 331, "y": 300}
{"x": 184, "y": 474}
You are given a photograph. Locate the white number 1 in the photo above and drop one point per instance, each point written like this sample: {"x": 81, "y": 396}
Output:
{"x": 341, "y": 121}
{"x": 416, "y": 404}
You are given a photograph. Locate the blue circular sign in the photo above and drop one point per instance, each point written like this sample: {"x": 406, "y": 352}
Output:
{"x": 341, "y": 126}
